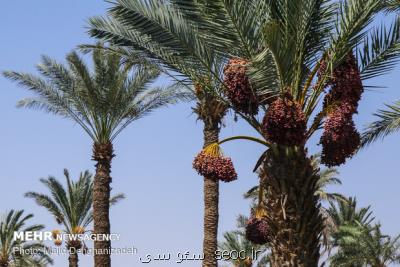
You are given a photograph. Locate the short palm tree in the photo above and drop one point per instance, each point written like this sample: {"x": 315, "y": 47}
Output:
{"x": 346, "y": 219}
{"x": 10, "y": 248}
{"x": 365, "y": 246}
{"x": 71, "y": 207}
{"x": 103, "y": 102}
{"x": 286, "y": 53}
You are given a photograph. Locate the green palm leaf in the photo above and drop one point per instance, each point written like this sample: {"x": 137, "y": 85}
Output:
{"x": 388, "y": 122}
{"x": 70, "y": 205}
{"x": 17, "y": 221}
{"x": 380, "y": 51}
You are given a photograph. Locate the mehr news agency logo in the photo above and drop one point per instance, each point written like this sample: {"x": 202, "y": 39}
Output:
{"x": 75, "y": 242}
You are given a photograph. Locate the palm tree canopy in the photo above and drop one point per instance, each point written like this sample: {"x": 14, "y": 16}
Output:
{"x": 103, "y": 102}
{"x": 284, "y": 40}
{"x": 365, "y": 246}
{"x": 17, "y": 221}
{"x": 70, "y": 206}
{"x": 388, "y": 122}
{"x": 347, "y": 212}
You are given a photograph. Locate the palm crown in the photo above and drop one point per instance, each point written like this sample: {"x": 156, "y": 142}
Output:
{"x": 16, "y": 221}
{"x": 347, "y": 212}
{"x": 70, "y": 206}
{"x": 262, "y": 31}
{"x": 362, "y": 245}
{"x": 104, "y": 102}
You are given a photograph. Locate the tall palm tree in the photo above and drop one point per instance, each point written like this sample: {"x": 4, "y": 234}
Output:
{"x": 290, "y": 51}
{"x": 103, "y": 102}
{"x": 71, "y": 207}
{"x": 368, "y": 247}
{"x": 10, "y": 248}
{"x": 191, "y": 70}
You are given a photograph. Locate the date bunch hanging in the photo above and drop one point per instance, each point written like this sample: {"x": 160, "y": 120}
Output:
{"x": 340, "y": 138}
{"x": 284, "y": 122}
{"x": 211, "y": 164}
{"x": 238, "y": 87}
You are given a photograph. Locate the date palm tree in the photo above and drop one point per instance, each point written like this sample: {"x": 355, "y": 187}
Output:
{"x": 201, "y": 72}
{"x": 346, "y": 220}
{"x": 368, "y": 247}
{"x": 103, "y": 102}
{"x": 71, "y": 207}
{"x": 10, "y": 248}
{"x": 292, "y": 50}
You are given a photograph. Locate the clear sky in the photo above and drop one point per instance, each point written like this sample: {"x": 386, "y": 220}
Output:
{"x": 164, "y": 206}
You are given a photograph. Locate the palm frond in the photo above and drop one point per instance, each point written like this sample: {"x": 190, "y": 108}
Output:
{"x": 381, "y": 51}
{"x": 354, "y": 17}
{"x": 392, "y": 5}
{"x": 117, "y": 198}
{"x": 388, "y": 122}
{"x": 296, "y": 34}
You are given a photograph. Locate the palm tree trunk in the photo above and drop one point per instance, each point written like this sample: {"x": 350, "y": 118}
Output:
{"x": 102, "y": 154}
{"x": 292, "y": 208}
{"x": 211, "y": 201}
{"x": 73, "y": 259}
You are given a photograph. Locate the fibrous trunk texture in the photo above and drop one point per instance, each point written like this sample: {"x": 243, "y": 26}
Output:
{"x": 293, "y": 209}
{"x": 211, "y": 201}
{"x": 73, "y": 259}
{"x": 102, "y": 154}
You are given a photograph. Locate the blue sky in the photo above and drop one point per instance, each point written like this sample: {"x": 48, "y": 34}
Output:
{"x": 164, "y": 207}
